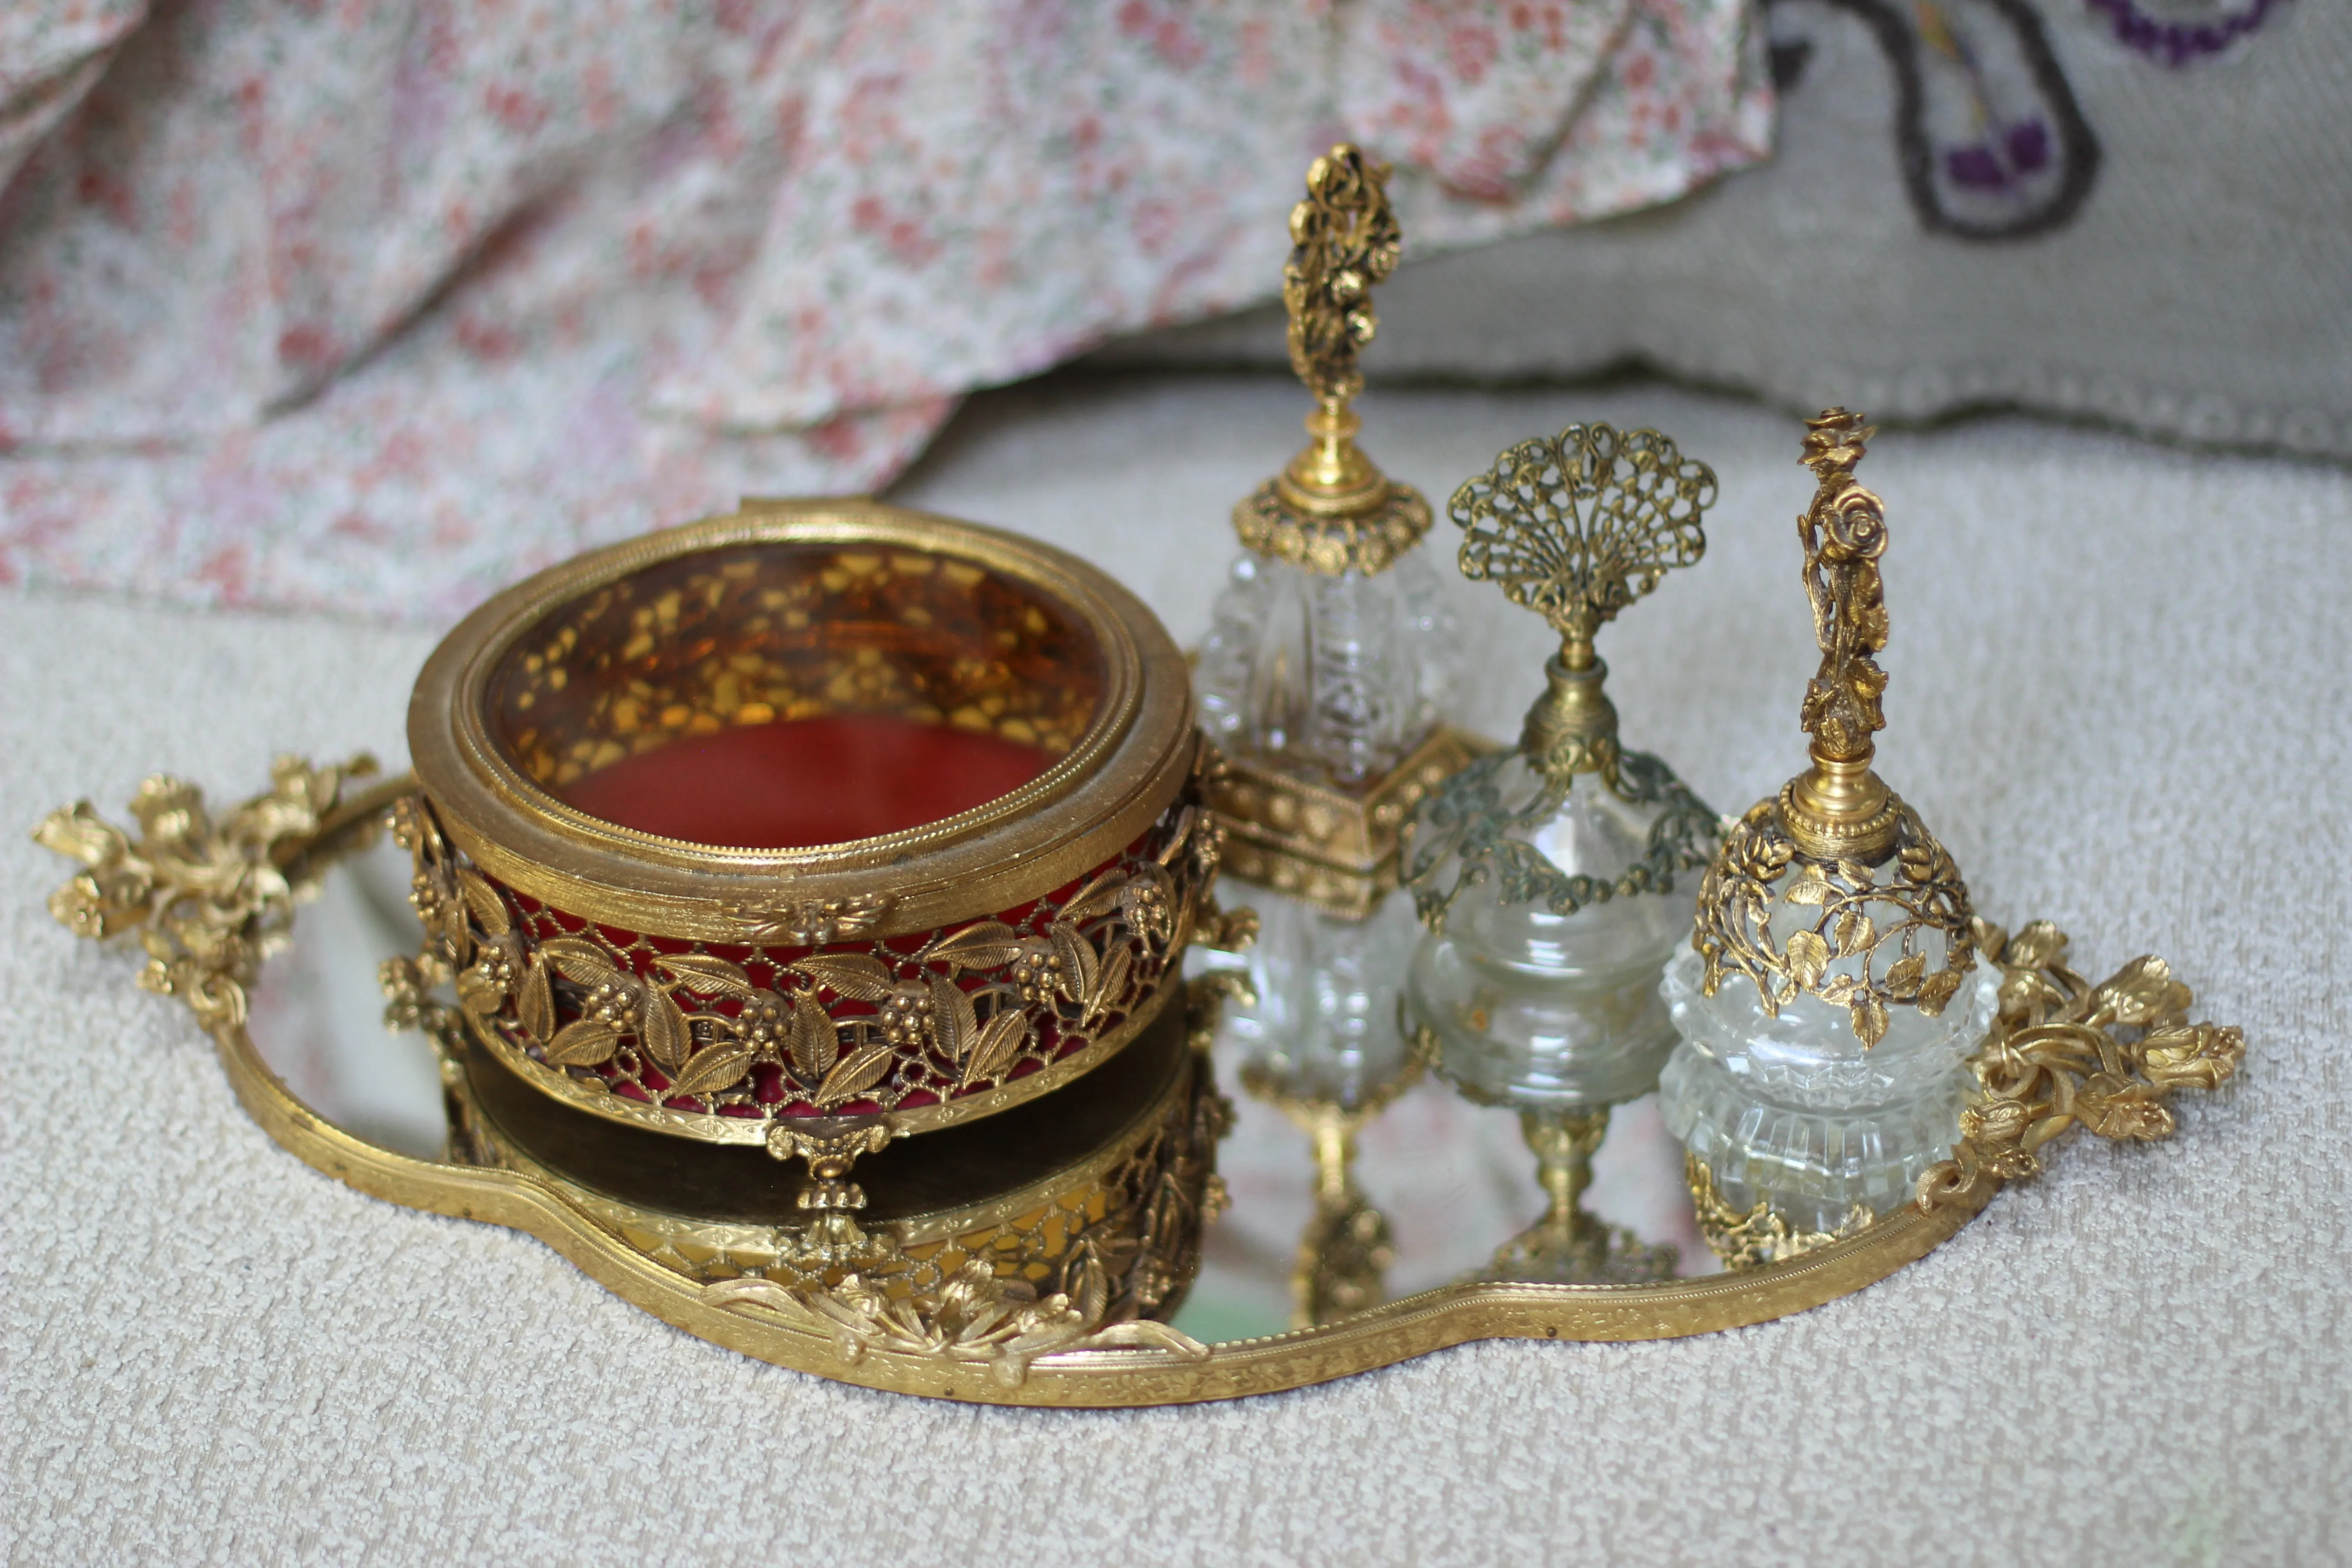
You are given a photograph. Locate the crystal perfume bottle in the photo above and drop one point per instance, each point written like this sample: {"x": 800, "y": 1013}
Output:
{"x": 1555, "y": 879}
{"x": 1329, "y": 658}
{"x": 1327, "y": 665}
{"x": 1318, "y": 1042}
{"x": 1831, "y": 995}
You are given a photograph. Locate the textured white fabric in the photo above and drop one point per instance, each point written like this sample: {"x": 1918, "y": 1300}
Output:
{"x": 2117, "y": 693}
{"x": 2204, "y": 289}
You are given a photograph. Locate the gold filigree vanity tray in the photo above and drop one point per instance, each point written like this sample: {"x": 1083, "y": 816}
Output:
{"x": 1049, "y": 1259}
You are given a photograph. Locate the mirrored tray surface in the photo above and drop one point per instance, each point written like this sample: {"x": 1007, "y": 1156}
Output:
{"x": 1445, "y": 1182}
{"x": 1042, "y": 1274}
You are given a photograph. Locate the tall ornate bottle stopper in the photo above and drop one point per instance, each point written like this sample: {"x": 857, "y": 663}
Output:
{"x": 1332, "y": 511}
{"x": 1816, "y": 1091}
{"x": 1554, "y": 877}
{"x": 1838, "y": 806}
{"x": 1329, "y": 655}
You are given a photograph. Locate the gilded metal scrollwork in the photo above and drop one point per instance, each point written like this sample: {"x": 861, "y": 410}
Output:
{"x": 1467, "y": 819}
{"x": 1836, "y": 821}
{"x": 981, "y": 1318}
{"x": 831, "y": 1149}
{"x": 1830, "y": 900}
{"x": 1758, "y": 1235}
{"x": 1332, "y": 511}
{"x": 210, "y": 897}
{"x": 1579, "y": 525}
{"x": 2070, "y": 1054}
{"x": 623, "y": 1026}
{"x": 214, "y": 892}
{"x": 1344, "y": 239}
{"x": 1576, "y": 527}
{"x": 2063, "y": 1053}
{"x": 811, "y": 922}
{"x": 1845, "y": 533}
{"x": 1116, "y": 1278}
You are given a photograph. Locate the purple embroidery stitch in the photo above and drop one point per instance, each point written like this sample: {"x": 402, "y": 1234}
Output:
{"x": 1978, "y": 167}
{"x": 2058, "y": 140}
{"x": 2029, "y": 145}
{"x": 2179, "y": 43}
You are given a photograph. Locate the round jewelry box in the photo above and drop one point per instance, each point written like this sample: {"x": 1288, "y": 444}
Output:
{"x": 821, "y": 819}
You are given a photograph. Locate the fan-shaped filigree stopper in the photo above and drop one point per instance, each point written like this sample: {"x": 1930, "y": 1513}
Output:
{"x": 1332, "y": 510}
{"x": 1576, "y": 527}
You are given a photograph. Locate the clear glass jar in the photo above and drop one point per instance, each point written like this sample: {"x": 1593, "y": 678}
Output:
{"x": 1792, "y": 1109}
{"x": 1545, "y": 1011}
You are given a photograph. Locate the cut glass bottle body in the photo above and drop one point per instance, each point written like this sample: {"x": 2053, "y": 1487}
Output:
{"x": 1336, "y": 679}
{"x": 1792, "y": 1110}
{"x": 1552, "y": 1012}
{"x": 1337, "y": 676}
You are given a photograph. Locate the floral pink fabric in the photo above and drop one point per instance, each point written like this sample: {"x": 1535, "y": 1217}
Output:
{"x": 375, "y": 305}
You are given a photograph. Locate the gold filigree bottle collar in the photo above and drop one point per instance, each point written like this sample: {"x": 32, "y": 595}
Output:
{"x": 1576, "y": 527}
{"x": 1332, "y": 511}
{"x": 1832, "y": 825}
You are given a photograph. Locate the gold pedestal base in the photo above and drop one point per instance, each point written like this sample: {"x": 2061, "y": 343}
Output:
{"x": 1567, "y": 1246}
{"x": 1332, "y": 847}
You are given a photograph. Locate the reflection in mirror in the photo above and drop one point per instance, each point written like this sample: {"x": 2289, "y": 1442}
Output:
{"x": 1359, "y": 1178}
{"x": 317, "y": 1014}
{"x": 1455, "y": 1181}
{"x": 1405, "y": 1190}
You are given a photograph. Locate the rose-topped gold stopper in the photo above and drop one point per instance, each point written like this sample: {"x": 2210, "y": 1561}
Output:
{"x": 1839, "y": 808}
{"x": 1331, "y": 510}
{"x": 1859, "y": 942}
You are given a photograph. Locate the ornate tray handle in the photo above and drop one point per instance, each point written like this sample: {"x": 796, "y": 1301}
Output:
{"x": 209, "y": 898}
{"x": 2067, "y": 1053}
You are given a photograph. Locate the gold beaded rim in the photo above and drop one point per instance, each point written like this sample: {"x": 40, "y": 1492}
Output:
{"x": 1132, "y": 759}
